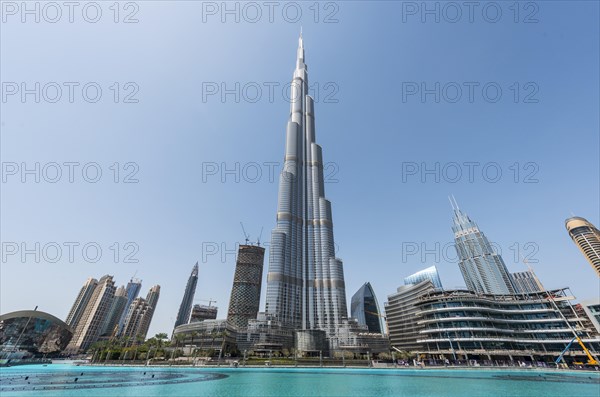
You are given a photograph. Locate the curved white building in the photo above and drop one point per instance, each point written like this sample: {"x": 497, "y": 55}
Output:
{"x": 587, "y": 238}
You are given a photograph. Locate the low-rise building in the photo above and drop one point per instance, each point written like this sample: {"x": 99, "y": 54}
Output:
{"x": 214, "y": 337}
{"x": 32, "y": 334}
{"x": 528, "y": 327}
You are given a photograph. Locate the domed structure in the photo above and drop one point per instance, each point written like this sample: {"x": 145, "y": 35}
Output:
{"x": 32, "y": 333}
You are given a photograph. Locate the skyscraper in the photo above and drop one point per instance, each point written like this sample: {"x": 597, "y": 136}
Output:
{"x": 94, "y": 316}
{"x": 365, "y": 309}
{"x": 136, "y": 320}
{"x": 526, "y": 282}
{"x": 430, "y": 273}
{"x": 119, "y": 305}
{"x": 245, "y": 294}
{"x": 153, "y": 295}
{"x": 185, "y": 309}
{"x": 305, "y": 283}
{"x": 484, "y": 270}
{"x": 133, "y": 289}
{"x": 139, "y": 316}
{"x": 587, "y": 238}
{"x": 81, "y": 302}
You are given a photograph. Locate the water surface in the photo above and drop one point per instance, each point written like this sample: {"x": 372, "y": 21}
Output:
{"x": 67, "y": 380}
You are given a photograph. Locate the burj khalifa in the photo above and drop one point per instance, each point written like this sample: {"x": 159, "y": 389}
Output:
{"x": 305, "y": 282}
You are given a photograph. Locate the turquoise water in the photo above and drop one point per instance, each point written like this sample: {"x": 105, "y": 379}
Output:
{"x": 67, "y": 380}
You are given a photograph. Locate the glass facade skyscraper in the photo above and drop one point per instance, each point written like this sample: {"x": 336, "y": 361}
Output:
{"x": 185, "y": 309}
{"x": 430, "y": 274}
{"x": 365, "y": 309}
{"x": 133, "y": 289}
{"x": 305, "y": 282}
{"x": 483, "y": 269}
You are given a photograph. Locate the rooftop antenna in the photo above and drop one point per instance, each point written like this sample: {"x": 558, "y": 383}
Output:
{"x": 451, "y": 203}
{"x": 246, "y": 235}
{"x": 455, "y": 203}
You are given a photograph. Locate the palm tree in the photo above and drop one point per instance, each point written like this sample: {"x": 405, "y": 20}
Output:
{"x": 139, "y": 339}
{"x": 193, "y": 335}
{"x": 178, "y": 338}
{"x": 160, "y": 338}
{"x": 97, "y": 348}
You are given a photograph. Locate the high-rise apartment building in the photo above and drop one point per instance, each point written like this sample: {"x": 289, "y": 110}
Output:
{"x": 153, "y": 295}
{"x": 430, "y": 274}
{"x": 185, "y": 309}
{"x": 119, "y": 305}
{"x": 139, "y": 316}
{"x": 133, "y": 289}
{"x": 526, "y": 282}
{"x": 94, "y": 316}
{"x": 365, "y": 309}
{"x": 483, "y": 269}
{"x": 81, "y": 302}
{"x": 245, "y": 294}
{"x": 587, "y": 238}
{"x": 305, "y": 282}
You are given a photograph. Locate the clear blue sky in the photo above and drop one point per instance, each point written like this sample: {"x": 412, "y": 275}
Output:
{"x": 373, "y": 137}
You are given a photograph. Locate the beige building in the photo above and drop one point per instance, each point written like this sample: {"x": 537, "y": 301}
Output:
{"x": 587, "y": 238}
{"x": 83, "y": 298}
{"x": 94, "y": 315}
{"x": 139, "y": 316}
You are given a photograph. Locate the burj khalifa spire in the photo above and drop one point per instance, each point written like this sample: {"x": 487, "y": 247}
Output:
{"x": 305, "y": 283}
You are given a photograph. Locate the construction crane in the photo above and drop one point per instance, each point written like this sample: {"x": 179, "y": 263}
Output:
{"x": 259, "y": 236}
{"x": 591, "y": 359}
{"x": 209, "y": 300}
{"x": 246, "y": 235}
